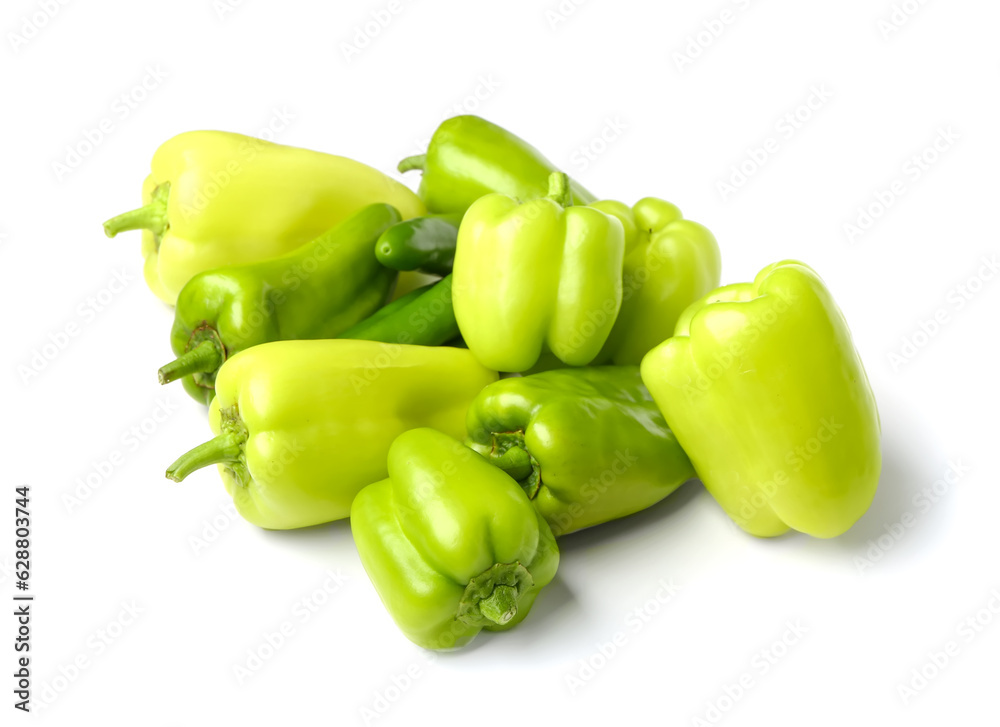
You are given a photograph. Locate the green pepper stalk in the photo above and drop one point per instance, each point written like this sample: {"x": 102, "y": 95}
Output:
{"x": 451, "y": 544}
{"x": 469, "y": 157}
{"x": 214, "y": 198}
{"x": 302, "y": 426}
{"x": 316, "y": 291}
{"x": 587, "y": 445}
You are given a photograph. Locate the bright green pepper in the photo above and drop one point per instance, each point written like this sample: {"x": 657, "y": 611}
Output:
{"x": 215, "y": 198}
{"x": 766, "y": 392}
{"x": 587, "y": 445}
{"x": 316, "y": 291}
{"x": 303, "y": 425}
{"x": 423, "y": 316}
{"x": 669, "y": 263}
{"x": 469, "y": 157}
{"x": 426, "y": 244}
{"x": 536, "y": 277}
{"x": 451, "y": 544}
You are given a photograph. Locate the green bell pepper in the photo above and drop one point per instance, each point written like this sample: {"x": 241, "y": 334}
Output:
{"x": 766, "y": 392}
{"x": 669, "y": 263}
{"x": 537, "y": 277}
{"x": 469, "y": 157}
{"x": 316, "y": 291}
{"x": 451, "y": 544}
{"x": 587, "y": 445}
{"x": 426, "y": 244}
{"x": 302, "y": 426}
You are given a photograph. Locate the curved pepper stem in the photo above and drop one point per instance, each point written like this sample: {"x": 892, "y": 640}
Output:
{"x": 516, "y": 462}
{"x": 501, "y": 606}
{"x": 224, "y": 449}
{"x": 559, "y": 190}
{"x": 418, "y": 161}
{"x": 203, "y": 358}
{"x": 510, "y": 454}
{"x": 152, "y": 217}
{"x": 491, "y": 597}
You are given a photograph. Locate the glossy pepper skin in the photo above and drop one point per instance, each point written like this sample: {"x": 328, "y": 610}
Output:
{"x": 537, "y": 277}
{"x": 426, "y": 244}
{"x": 302, "y": 426}
{"x": 469, "y": 157}
{"x": 670, "y": 262}
{"x": 587, "y": 445}
{"x": 766, "y": 392}
{"x": 451, "y": 544}
{"x": 423, "y": 317}
{"x": 215, "y": 198}
{"x": 315, "y": 291}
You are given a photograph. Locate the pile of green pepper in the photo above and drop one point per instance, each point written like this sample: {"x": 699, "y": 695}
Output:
{"x": 628, "y": 371}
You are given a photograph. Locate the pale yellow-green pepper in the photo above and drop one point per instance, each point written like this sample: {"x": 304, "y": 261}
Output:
{"x": 215, "y": 199}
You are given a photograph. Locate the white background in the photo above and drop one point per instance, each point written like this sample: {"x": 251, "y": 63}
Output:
{"x": 872, "y": 612}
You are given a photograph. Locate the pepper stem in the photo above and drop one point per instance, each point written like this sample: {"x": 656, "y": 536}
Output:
{"x": 418, "y": 161}
{"x": 152, "y": 216}
{"x": 203, "y": 358}
{"x": 559, "y": 190}
{"x": 516, "y": 462}
{"x": 501, "y": 606}
{"x": 224, "y": 448}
